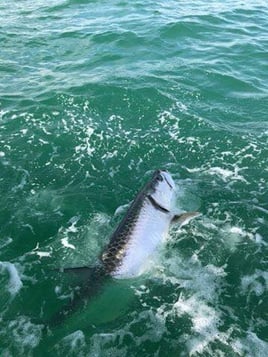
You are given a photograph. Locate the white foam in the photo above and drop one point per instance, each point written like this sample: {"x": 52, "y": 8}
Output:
{"x": 193, "y": 170}
{"x": 73, "y": 222}
{"x": 75, "y": 341}
{"x": 112, "y": 344}
{"x": 29, "y": 226}
{"x": 65, "y": 243}
{"x": 260, "y": 240}
{"x": 230, "y": 235}
{"x": 40, "y": 253}
{"x": 205, "y": 322}
{"x": 71, "y": 229}
{"x": 252, "y": 345}
{"x": 85, "y": 142}
{"x": 60, "y": 295}
{"x": 15, "y": 283}
{"x": 195, "y": 278}
{"x": 256, "y": 283}
{"x": 45, "y": 142}
{"x": 80, "y": 244}
{"x": 23, "y": 335}
{"x": 261, "y": 209}
{"x": 6, "y": 242}
{"x": 23, "y": 181}
{"x": 100, "y": 344}
{"x": 43, "y": 254}
{"x": 100, "y": 218}
{"x": 109, "y": 155}
{"x": 237, "y": 230}
{"x": 226, "y": 174}
{"x": 233, "y": 235}
{"x": 199, "y": 300}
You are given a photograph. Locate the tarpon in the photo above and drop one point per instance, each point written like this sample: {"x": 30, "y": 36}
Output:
{"x": 143, "y": 228}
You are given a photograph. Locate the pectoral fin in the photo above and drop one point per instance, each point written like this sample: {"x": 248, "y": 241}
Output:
{"x": 184, "y": 218}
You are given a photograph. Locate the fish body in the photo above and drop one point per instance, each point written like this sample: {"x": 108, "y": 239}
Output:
{"x": 143, "y": 228}
{"x": 133, "y": 243}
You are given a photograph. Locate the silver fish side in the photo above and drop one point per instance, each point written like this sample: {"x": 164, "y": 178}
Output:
{"x": 144, "y": 203}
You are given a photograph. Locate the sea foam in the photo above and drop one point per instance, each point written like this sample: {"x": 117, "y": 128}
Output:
{"x": 14, "y": 283}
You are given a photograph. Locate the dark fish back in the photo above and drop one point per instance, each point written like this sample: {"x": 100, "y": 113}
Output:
{"x": 115, "y": 251}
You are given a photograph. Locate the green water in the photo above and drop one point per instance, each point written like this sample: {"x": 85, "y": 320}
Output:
{"x": 95, "y": 95}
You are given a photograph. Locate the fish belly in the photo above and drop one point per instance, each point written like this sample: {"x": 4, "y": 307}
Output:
{"x": 150, "y": 230}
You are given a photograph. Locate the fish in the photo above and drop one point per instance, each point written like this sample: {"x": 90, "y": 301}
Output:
{"x": 142, "y": 230}
{"x": 144, "y": 227}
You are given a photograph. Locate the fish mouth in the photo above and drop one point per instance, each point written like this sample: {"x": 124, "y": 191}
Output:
{"x": 165, "y": 174}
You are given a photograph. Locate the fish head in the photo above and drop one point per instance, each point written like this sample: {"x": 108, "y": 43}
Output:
{"x": 163, "y": 189}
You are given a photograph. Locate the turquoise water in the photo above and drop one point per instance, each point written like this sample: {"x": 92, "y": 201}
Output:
{"x": 95, "y": 95}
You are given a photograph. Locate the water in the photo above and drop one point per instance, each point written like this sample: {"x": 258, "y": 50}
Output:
{"x": 93, "y": 97}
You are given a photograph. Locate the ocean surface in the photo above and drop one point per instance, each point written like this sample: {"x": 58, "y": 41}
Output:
{"x": 96, "y": 95}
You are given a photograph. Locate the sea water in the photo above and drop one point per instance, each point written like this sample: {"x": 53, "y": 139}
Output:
{"x": 96, "y": 95}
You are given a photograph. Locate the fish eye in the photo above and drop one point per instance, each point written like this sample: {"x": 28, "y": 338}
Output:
{"x": 159, "y": 178}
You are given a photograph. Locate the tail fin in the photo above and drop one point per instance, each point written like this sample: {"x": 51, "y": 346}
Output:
{"x": 93, "y": 279}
